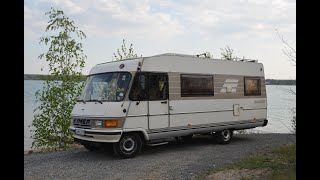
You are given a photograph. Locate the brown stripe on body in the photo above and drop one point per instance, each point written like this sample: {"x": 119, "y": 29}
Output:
{"x": 219, "y": 81}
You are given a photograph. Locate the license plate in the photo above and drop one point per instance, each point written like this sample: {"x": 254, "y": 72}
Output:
{"x": 80, "y": 132}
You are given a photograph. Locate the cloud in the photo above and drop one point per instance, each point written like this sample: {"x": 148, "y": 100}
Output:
{"x": 167, "y": 19}
{"x": 179, "y": 25}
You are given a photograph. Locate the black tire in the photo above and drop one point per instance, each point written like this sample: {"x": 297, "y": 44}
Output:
{"x": 128, "y": 146}
{"x": 90, "y": 147}
{"x": 187, "y": 138}
{"x": 225, "y": 136}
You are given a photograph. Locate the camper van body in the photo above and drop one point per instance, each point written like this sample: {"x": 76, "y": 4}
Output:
{"x": 165, "y": 96}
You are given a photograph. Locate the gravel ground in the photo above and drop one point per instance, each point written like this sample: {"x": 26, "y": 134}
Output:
{"x": 176, "y": 160}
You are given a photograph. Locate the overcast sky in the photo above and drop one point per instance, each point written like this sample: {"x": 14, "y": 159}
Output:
{"x": 177, "y": 26}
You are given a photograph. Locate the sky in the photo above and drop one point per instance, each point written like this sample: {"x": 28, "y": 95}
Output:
{"x": 177, "y": 26}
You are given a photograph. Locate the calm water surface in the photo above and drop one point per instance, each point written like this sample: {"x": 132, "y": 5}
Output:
{"x": 280, "y": 103}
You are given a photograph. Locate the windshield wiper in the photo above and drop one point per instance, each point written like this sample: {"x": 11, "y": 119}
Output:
{"x": 80, "y": 100}
{"x": 95, "y": 100}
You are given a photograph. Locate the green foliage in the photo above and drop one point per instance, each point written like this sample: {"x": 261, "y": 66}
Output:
{"x": 280, "y": 158}
{"x": 293, "y": 121}
{"x": 227, "y": 53}
{"x": 280, "y": 163}
{"x": 65, "y": 60}
{"x": 124, "y": 52}
{"x": 290, "y": 52}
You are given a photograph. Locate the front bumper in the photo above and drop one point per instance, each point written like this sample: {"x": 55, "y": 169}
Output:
{"x": 95, "y": 135}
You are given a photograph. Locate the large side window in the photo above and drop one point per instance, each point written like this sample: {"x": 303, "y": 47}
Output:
{"x": 252, "y": 86}
{"x": 158, "y": 86}
{"x": 139, "y": 88}
{"x": 196, "y": 85}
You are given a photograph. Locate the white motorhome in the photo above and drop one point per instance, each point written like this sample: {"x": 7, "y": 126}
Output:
{"x": 147, "y": 100}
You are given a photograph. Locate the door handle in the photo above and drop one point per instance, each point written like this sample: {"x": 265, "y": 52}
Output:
{"x": 164, "y": 102}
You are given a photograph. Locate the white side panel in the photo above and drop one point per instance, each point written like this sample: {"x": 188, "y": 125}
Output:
{"x": 186, "y": 106}
{"x": 156, "y": 122}
{"x": 158, "y": 114}
{"x": 114, "y": 109}
{"x": 214, "y": 117}
{"x": 156, "y": 107}
{"x": 195, "y": 112}
{"x": 168, "y": 63}
{"x": 138, "y": 110}
{"x": 201, "y": 118}
{"x": 136, "y": 122}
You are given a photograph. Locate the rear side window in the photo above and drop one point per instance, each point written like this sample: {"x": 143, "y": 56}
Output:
{"x": 196, "y": 85}
{"x": 149, "y": 86}
{"x": 158, "y": 86}
{"x": 252, "y": 86}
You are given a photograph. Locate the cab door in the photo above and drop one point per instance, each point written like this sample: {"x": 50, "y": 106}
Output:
{"x": 158, "y": 100}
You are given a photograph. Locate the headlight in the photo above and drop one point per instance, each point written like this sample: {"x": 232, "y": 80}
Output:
{"x": 98, "y": 123}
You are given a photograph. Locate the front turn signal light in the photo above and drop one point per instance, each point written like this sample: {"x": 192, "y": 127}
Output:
{"x": 110, "y": 123}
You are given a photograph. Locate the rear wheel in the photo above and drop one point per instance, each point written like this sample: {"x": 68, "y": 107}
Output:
{"x": 128, "y": 146}
{"x": 225, "y": 136}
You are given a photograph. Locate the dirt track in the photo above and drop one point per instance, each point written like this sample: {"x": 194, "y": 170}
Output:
{"x": 176, "y": 160}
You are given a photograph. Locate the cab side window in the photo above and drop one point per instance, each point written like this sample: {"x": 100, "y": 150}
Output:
{"x": 139, "y": 88}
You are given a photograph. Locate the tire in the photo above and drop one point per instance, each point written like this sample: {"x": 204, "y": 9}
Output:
{"x": 128, "y": 146}
{"x": 225, "y": 136}
{"x": 90, "y": 147}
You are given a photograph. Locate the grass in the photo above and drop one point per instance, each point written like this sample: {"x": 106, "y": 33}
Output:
{"x": 279, "y": 163}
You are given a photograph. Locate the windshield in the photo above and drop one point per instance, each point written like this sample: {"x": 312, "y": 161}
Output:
{"x": 106, "y": 87}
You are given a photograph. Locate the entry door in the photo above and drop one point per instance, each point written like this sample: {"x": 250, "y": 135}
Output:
{"x": 158, "y": 100}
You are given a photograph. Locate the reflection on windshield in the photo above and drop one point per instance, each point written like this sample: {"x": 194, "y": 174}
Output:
{"x": 106, "y": 87}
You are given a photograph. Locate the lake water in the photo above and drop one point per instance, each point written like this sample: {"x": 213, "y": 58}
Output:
{"x": 280, "y": 104}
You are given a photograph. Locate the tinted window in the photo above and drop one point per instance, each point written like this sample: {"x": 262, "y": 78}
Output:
{"x": 139, "y": 90}
{"x": 158, "y": 88}
{"x": 196, "y": 85}
{"x": 252, "y": 86}
{"x": 152, "y": 86}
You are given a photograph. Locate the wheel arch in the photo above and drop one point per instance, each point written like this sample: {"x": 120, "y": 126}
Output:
{"x": 142, "y": 133}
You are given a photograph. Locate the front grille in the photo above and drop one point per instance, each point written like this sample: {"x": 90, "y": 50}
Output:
{"x": 83, "y": 123}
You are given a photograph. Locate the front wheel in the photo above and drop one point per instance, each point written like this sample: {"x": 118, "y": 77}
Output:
{"x": 128, "y": 146}
{"x": 225, "y": 136}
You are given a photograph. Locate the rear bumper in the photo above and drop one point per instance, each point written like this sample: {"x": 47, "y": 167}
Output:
{"x": 108, "y": 136}
{"x": 265, "y": 122}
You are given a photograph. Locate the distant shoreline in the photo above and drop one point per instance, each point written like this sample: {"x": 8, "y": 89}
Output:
{"x": 268, "y": 81}
{"x": 43, "y": 77}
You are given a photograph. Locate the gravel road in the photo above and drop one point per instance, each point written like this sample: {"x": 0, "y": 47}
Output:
{"x": 176, "y": 160}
